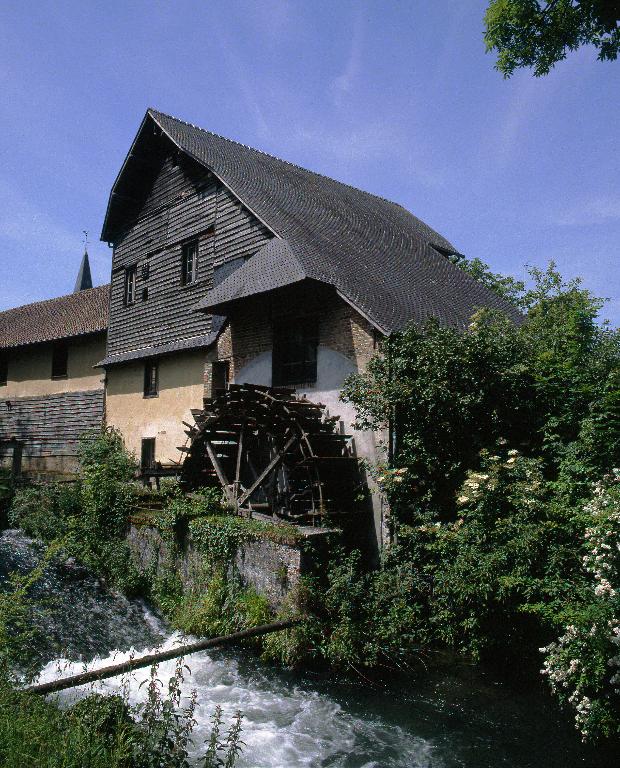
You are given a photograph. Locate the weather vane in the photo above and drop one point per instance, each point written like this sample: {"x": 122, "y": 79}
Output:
{"x": 85, "y": 239}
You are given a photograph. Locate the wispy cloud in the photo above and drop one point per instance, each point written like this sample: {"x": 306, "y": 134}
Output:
{"x": 23, "y": 224}
{"x": 342, "y": 85}
{"x": 239, "y": 71}
{"x": 53, "y": 250}
{"x": 598, "y": 210}
{"x": 356, "y": 147}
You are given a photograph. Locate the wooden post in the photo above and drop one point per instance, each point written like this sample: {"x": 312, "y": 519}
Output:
{"x": 154, "y": 658}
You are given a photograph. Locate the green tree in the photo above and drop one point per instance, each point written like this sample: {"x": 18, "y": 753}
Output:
{"x": 529, "y": 33}
{"x": 504, "y": 285}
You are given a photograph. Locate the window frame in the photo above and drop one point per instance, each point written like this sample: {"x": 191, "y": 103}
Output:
{"x": 150, "y": 382}
{"x": 295, "y": 360}
{"x": 189, "y": 276}
{"x": 151, "y": 443}
{"x": 130, "y": 285}
{"x": 4, "y": 368}
{"x": 60, "y": 360}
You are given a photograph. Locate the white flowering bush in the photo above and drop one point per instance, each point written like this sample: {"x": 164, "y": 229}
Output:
{"x": 583, "y": 665}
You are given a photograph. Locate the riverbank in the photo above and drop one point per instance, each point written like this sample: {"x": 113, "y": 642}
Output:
{"x": 430, "y": 718}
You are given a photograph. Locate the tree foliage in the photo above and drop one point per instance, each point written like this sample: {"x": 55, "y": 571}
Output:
{"x": 529, "y": 33}
{"x": 501, "y": 433}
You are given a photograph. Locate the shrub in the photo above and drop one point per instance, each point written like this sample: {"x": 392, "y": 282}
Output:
{"x": 583, "y": 665}
{"x": 499, "y": 433}
{"x": 44, "y": 509}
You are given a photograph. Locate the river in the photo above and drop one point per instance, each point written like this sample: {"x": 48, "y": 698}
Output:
{"x": 438, "y": 719}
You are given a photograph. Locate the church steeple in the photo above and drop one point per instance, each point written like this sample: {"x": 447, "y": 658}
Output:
{"x": 84, "y": 279}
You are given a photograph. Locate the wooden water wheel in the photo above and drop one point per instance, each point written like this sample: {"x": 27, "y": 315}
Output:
{"x": 272, "y": 452}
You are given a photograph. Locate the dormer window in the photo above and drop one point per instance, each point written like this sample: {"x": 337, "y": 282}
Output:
{"x": 189, "y": 262}
{"x": 130, "y": 285}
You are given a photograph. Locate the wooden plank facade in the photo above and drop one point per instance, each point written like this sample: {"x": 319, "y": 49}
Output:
{"x": 49, "y": 427}
{"x": 185, "y": 203}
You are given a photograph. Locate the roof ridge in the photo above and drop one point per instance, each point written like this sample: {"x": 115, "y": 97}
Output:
{"x": 274, "y": 157}
{"x": 55, "y": 298}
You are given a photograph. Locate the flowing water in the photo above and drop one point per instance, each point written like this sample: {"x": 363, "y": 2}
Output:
{"x": 437, "y": 720}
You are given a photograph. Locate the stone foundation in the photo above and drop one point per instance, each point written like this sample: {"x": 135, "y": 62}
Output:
{"x": 272, "y": 569}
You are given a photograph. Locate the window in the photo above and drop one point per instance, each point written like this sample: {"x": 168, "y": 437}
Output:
{"x": 60, "y": 358}
{"x": 219, "y": 375}
{"x": 189, "y": 262}
{"x": 147, "y": 455}
{"x": 295, "y": 344}
{"x": 4, "y": 368}
{"x": 130, "y": 285}
{"x": 151, "y": 378}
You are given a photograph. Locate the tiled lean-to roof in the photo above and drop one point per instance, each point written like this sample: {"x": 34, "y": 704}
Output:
{"x": 386, "y": 262}
{"x": 77, "y": 314}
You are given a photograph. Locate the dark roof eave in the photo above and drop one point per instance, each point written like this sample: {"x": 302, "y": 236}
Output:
{"x": 183, "y": 345}
{"x": 69, "y": 337}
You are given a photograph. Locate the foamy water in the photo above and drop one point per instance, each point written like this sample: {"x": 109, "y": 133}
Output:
{"x": 457, "y": 718}
{"x": 284, "y": 726}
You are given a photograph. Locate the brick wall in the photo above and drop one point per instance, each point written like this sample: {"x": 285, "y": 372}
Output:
{"x": 248, "y": 332}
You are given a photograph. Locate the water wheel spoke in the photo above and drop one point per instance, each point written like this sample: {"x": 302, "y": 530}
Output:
{"x": 219, "y": 469}
{"x": 269, "y": 450}
{"x": 273, "y": 464}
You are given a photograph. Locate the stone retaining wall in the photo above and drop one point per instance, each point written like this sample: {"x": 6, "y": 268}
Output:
{"x": 270, "y": 568}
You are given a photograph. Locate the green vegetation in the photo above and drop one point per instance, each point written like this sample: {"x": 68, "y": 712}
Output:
{"x": 88, "y": 520}
{"x": 529, "y": 33}
{"x": 507, "y": 437}
{"x": 89, "y": 516}
{"x": 214, "y": 601}
{"x": 105, "y": 732}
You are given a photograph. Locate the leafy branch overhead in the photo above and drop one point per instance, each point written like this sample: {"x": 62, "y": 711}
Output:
{"x": 528, "y": 33}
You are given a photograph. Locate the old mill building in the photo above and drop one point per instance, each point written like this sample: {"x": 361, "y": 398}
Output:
{"x": 230, "y": 268}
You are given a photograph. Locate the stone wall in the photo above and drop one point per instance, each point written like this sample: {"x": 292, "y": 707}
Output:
{"x": 273, "y": 570}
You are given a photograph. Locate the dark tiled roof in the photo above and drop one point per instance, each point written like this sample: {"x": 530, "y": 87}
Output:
{"x": 273, "y": 266}
{"x": 73, "y": 315}
{"x": 194, "y": 342}
{"x": 381, "y": 258}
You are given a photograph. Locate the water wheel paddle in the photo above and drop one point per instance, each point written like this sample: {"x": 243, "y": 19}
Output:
{"x": 270, "y": 451}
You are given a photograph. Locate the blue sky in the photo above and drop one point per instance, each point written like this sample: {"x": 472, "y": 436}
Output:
{"x": 398, "y": 98}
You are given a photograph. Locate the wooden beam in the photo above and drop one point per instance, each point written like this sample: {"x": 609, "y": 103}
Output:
{"x": 155, "y": 658}
{"x": 217, "y": 465}
{"x": 275, "y": 462}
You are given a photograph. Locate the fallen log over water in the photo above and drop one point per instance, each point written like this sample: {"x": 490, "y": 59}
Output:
{"x": 154, "y": 658}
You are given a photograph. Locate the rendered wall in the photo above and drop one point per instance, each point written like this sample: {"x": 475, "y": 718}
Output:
{"x": 30, "y": 368}
{"x": 161, "y": 417}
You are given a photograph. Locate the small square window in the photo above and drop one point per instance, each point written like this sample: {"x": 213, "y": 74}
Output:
{"x": 295, "y": 343}
{"x": 147, "y": 454}
{"x": 151, "y": 378}
{"x": 60, "y": 359}
{"x": 189, "y": 262}
{"x": 4, "y": 368}
{"x": 130, "y": 285}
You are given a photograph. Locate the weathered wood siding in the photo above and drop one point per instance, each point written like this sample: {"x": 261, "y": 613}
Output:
{"x": 185, "y": 202}
{"x": 51, "y": 425}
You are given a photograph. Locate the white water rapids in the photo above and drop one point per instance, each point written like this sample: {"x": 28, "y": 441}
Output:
{"x": 456, "y": 718}
{"x": 284, "y": 725}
